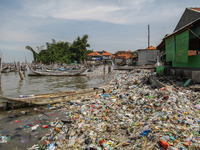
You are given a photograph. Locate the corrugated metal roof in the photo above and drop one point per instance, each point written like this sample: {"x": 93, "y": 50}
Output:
{"x": 183, "y": 28}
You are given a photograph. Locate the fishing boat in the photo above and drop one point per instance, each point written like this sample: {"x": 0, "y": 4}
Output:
{"x": 13, "y": 69}
{"x": 52, "y": 98}
{"x": 5, "y": 70}
{"x": 32, "y": 72}
{"x": 63, "y": 69}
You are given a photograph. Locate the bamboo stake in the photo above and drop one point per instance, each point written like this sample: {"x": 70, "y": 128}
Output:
{"x": 20, "y": 73}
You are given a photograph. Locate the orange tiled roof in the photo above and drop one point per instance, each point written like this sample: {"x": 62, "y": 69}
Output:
{"x": 151, "y": 47}
{"x": 106, "y": 54}
{"x": 192, "y": 52}
{"x": 197, "y": 9}
{"x": 106, "y": 51}
{"x": 133, "y": 56}
{"x": 120, "y": 52}
{"x": 126, "y": 56}
{"x": 93, "y": 54}
{"x": 113, "y": 56}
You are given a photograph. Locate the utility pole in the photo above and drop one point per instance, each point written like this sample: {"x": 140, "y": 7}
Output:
{"x": 0, "y": 68}
{"x": 148, "y": 37}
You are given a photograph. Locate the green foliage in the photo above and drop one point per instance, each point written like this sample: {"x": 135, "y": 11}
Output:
{"x": 64, "y": 52}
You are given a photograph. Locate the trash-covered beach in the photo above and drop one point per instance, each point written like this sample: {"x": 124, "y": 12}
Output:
{"x": 134, "y": 114}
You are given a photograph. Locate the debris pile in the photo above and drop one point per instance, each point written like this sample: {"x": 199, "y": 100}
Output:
{"x": 130, "y": 116}
{"x": 134, "y": 115}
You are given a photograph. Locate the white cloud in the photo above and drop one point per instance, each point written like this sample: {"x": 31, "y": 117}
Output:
{"x": 38, "y": 21}
{"x": 117, "y": 12}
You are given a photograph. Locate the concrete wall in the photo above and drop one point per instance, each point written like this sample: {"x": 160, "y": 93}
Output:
{"x": 179, "y": 72}
{"x": 172, "y": 72}
{"x": 147, "y": 57}
{"x": 196, "y": 76}
{"x": 185, "y": 73}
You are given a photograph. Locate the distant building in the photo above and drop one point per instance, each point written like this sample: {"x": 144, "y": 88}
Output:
{"x": 123, "y": 57}
{"x": 100, "y": 57}
{"x": 148, "y": 56}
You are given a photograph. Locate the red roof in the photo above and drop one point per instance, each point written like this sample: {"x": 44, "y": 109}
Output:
{"x": 151, "y": 47}
{"x": 93, "y": 54}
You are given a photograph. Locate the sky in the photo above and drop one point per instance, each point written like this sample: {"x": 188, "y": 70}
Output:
{"x": 112, "y": 25}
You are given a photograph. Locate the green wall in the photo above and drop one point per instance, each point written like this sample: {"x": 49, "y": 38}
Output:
{"x": 193, "y": 62}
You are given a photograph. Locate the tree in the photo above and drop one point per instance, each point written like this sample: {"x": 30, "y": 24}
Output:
{"x": 63, "y": 52}
{"x": 35, "y": 55}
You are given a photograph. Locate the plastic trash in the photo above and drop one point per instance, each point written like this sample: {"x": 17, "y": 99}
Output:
{"x": 145, "y": 133}
{"x": 25, "y": 138}
{"x": 135, "y": 115}
{"x": 4, "y": 139}
{"x": 45, "y": 126}
{"x": 164, "y": 144}
{"x": 35, "y": 127}
{"x": 16, "y": 121}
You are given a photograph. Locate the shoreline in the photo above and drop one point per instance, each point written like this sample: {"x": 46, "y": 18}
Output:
{"x": 27, "y": 102}
{"x": 132, "y": 115}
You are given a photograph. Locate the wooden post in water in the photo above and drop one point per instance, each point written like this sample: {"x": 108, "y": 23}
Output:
{"x": 104, "y": 70}
{"x": 20, "y": 73}
{"x": 109, "y": 68}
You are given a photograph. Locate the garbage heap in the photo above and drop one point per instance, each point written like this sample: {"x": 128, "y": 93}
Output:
{"x": 131, "y": 116}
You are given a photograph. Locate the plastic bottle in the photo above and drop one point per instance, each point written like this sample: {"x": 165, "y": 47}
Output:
{"x": 164, "y": 144}
{"x": 45, "y": 126}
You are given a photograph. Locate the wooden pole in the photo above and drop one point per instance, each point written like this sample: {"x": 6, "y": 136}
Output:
{"x": 148, "y": 37}
{"x": 0, "y": 68}
{"x": 20, "y": 73}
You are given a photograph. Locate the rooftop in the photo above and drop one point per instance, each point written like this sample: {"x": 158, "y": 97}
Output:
{"x": 195, "y": 8}
{"x": 150, "y": 47}
{"x": 93, "y": 54}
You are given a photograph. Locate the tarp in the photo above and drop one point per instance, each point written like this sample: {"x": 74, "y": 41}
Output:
{"x": 182, "y": 45}
{"x": 98, "y": 58}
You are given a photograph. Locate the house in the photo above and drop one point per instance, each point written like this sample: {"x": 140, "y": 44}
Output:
{"x": 123, "y": 57}
{"x": 106, "y": 55}
{"x": 100, "y": 57}
{"x": 186, "y": 37}
{"x": 182, "y": 46}
{"x": 93, "y": 58}
{"x": 148, "y": 56}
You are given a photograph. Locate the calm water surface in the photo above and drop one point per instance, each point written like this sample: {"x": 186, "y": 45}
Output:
{"x": 13, "y": 86}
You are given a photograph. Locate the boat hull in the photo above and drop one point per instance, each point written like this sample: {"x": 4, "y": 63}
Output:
{"x": 52, "y": 98}
{"x": 31, "y": 72}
